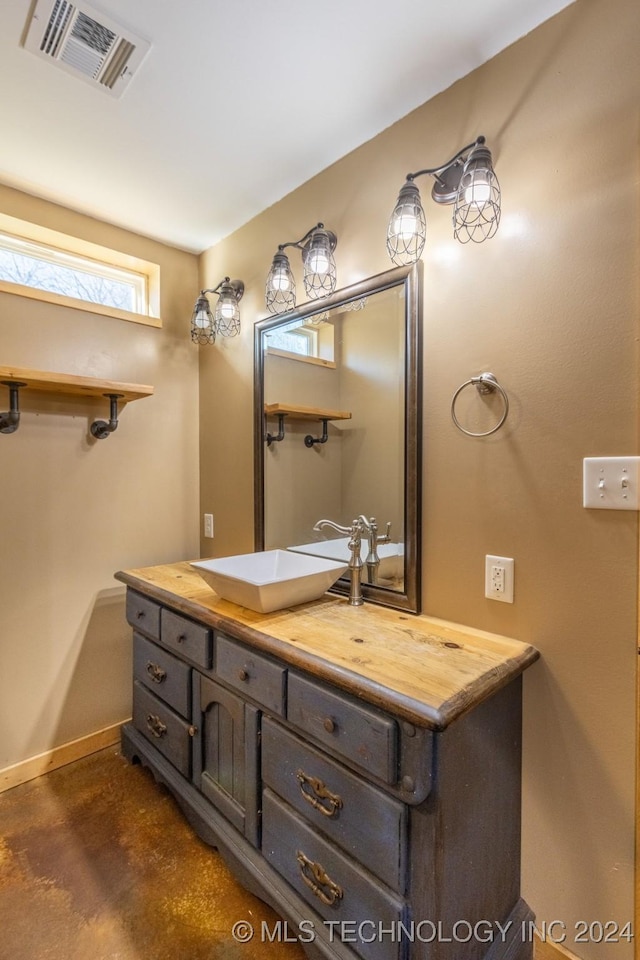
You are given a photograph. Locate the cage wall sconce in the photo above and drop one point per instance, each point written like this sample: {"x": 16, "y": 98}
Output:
{"x": 225, "y": 320}
{"x": 468, "y": 181}
{"x": 317, "y": 248}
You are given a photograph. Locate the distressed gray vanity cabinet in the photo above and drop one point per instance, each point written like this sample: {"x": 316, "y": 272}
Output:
{"x": 376, "y": 827}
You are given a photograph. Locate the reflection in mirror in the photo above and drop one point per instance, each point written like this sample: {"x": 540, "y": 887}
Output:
{"x": 338, "y": 431}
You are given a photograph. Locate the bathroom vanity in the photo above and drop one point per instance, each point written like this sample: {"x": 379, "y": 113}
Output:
{"x": 357, "y": 768}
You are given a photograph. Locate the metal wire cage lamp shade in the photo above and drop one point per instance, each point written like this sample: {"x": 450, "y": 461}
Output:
{"x": 320, "y": 276}
{"x": 225, "y": 319}
{"x": 469, "y": 182}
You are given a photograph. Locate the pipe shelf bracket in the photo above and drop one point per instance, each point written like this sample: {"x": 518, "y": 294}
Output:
{"x": 10, "y": 421}
{"x": 101, "y": 429}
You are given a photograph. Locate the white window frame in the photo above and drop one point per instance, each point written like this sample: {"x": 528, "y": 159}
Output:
{"x": 309, "y": 335}
{"x": 50, "y": 246}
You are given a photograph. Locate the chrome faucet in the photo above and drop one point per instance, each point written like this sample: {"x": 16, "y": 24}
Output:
{"x": 370, "y": 529}
{"x": 354, "y": 532}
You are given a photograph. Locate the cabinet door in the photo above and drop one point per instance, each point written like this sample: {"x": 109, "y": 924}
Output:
{"x": 225, "y": 765}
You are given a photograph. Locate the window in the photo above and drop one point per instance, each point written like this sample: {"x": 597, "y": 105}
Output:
{"x": 43, "y": 264}
{"x": 45, "y": 268}
{"x": 313, "y": 342}
{"x": 294, "y": 338}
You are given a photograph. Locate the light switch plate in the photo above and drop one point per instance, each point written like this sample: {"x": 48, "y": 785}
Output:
{"x": 611, "y": 483}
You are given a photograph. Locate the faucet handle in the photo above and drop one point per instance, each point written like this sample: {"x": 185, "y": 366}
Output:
{"x": 385, "y": 537}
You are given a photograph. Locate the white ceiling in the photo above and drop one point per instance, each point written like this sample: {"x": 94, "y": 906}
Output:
{"x": 237, "y": 103}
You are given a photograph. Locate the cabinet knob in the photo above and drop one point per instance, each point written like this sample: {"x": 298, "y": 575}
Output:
{"x": 243, "y": 674}
{"x": 329, "y": 725}
{"x": 140, "y": 614}
{"x": 181, "y": 637}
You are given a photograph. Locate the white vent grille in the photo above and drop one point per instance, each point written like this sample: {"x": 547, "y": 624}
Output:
{"x": 85, "y": 42}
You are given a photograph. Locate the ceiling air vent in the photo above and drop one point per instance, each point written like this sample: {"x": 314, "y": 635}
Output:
{"x": 86, "y": 43}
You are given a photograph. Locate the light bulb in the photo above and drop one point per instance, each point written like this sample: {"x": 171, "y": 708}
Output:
{"x": 202, "y": 319}
{"x": 227, "y": 308}
{"x": 280, "y": 279}
{"x": 479, "y": 190}
{"x": 318, "y": 262}
{"x": 405, "y": 224}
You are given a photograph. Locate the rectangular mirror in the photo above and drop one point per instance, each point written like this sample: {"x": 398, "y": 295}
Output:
{"x": 338, "y": 430}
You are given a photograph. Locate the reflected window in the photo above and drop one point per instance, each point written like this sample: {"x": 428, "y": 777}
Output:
{"x": 301, "y": 340}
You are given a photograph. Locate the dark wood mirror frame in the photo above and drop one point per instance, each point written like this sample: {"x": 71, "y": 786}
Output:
{"x": 409, "y": 598}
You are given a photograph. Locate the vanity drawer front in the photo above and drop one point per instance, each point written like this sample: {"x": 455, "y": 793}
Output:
{"x": 251, "y": 673}
{"x": 359, "y": 733}
{"x": 143, "y": 614}
{"x": 329, "y": 881}
{"x": 163, "y": 674}
{"x": 365, "y": 822}
{"x": 191, "y": 640}
{"x": 168, "y": 732}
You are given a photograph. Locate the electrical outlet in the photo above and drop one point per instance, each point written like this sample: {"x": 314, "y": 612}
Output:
{"x": 208, "y": 525}
{"x": 498, "y": 578}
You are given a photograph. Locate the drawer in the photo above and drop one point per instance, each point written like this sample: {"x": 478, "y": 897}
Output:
{"x": 143, "y": 614}
{"x": 366, "y": 823}
{"x": 168, "y": 732}
{"x": 256, "y": 676}
{"x": 163, "y": 674}
{"x": 360, "y": 734}
{"x": 189, "y": 639}
{"x": 330, "y": 882}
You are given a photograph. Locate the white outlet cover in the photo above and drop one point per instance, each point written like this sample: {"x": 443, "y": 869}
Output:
{"x": 611, "y": 483}
{"x": 506, "y": 594}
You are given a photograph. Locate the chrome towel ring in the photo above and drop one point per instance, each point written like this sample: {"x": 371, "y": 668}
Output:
{"x": 486, "y": 383}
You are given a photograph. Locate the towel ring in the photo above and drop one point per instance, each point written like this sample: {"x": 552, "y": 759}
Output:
{"x": 484, "y": 384}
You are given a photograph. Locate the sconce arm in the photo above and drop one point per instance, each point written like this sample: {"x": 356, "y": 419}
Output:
{"x": 435, "y": 171}
{"x": 236, "y": 285}
{"x": 299, "y": 244}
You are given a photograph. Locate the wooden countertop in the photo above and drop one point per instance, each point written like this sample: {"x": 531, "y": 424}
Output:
{"x": 425, "y": 670}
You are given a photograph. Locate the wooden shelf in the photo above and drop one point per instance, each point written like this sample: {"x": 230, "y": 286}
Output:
{"x": 304, "y": 413}
{"x": 72, "y": 385}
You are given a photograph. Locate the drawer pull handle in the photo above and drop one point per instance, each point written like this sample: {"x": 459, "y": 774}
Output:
{"x": 243, "y": 674}
{"x": 318, "y": 795}
{"x": 156, "y": 726}
{"x": 156, "y": 672}
{"x": 140, "y": 614}
{"x": 317, "y": 879}
{"x": 329, "y": 725}
{"x": 181, "y": 637}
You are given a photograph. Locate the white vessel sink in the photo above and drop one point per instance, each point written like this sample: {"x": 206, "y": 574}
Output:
{"x": 391, "y": 554}
{"x": 270, "y": 580}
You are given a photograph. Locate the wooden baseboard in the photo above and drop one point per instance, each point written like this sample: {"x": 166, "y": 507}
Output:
{"x": 58, "y": 757}
{"x": 546, "y": 950}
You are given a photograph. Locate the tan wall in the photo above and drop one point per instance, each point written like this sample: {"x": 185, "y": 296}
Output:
{"x": 74, "y": 510}
{"x": 550, "y": 306}
{"x": 301, "y": 485}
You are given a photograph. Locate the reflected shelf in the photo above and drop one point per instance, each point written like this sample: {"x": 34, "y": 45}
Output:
{"x": 297, "y": 412}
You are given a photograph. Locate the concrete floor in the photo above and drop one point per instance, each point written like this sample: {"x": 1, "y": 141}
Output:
{"x": 98, "y": 863}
